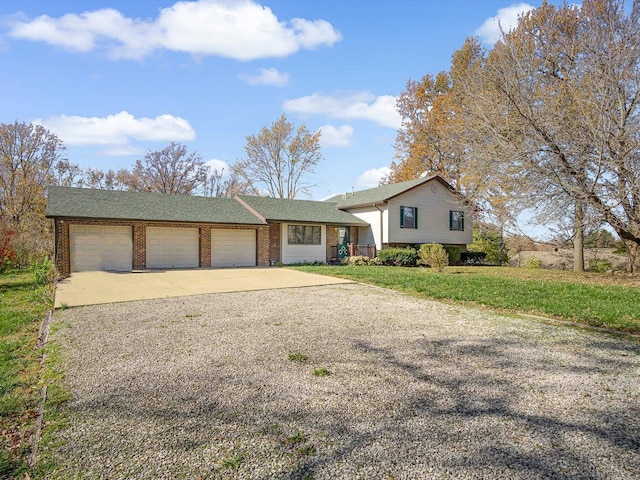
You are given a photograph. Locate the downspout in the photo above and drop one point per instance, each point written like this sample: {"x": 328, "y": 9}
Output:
{"x": 381, "y": 225}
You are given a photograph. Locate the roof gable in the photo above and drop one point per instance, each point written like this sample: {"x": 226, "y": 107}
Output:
{"x": 381, "y": 194}
{"x": 69, "y": 202}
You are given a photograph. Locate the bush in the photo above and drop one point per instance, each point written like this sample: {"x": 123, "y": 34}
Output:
{"x": 454, "y": 253}
{"x": 45, "y": 272}
{"x": 600, "y": 265}
{"x": 488, "y": 241}
{"x": 533, "y": 262}
{"x": 473, "y": 258}
{"x": 434, "y": 255}
{"x": 359, "y": 260}
{"x": 399, "y": 257}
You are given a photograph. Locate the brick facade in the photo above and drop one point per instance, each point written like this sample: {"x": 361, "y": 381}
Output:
{"x": 263, "y": 247}
{"x": 274, "y": 241}
{"x": 139, "y": 247}
{"x": 268, "y": 240}
{"x": 63, "y": 244}
{"x": 205, "y": 247}
{"x": 62, "y": 248}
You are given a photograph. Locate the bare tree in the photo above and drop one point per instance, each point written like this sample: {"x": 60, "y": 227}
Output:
{"x": 559, "y": 99}
{"x": 170, "y": 170}
{"x": 30, "y": 159}
{"x": 278, "y": 159}
{"x": 109, "y": 180}
{"x": 219, "y": 185}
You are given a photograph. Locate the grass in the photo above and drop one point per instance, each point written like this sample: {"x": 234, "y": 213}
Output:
{"x": 232, "y": 462}
{"x": 23, "y": 305}
{"x": 321, "y": 372}
{"x": 298, "y": 357}
{"x": 589, "y": 299}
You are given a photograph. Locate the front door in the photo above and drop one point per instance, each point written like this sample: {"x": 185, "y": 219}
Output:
{"x": 343, "y": 242}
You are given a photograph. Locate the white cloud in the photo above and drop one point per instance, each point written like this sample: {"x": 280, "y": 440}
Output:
{"x": 117, "y": 131}
{"x": 219, "y": 165}
{"x": 267, "y": 76}
{"x": 336, "y": 136}
{"x": 371, "y": 178}
{"x": 243, "y": 30}
{"x": 358, "y": 105}
{"x": 507, "y": 19}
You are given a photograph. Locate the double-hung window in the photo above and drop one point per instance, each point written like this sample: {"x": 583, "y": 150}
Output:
{"x": 456, "y": 220}
{"x": 408, "y": 217}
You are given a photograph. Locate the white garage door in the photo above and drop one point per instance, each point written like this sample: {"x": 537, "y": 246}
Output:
{"x": 233, "y": 248}
{"x": 100, "y": 247}
{"x": 169, "y": 247}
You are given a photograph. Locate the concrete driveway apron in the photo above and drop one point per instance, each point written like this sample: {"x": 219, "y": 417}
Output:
{"x": 89, "y": 288}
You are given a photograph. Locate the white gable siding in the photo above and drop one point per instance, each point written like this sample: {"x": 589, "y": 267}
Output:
{"x": 372, "y": 234}
{"x": 434, "y": 201}
{"x": 302, "y": 253}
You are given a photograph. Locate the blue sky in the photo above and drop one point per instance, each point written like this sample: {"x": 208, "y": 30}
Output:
{"x": 116, "y": 79}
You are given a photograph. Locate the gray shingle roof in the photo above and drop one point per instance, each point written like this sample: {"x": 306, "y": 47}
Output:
{"x": 380, "y": 194}
{"x": 285, "y": 210}
{"x": 117, "y": 205}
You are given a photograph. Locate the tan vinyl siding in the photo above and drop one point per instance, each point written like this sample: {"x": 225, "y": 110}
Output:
{"x": 434, "y": 201}
{"x": 371, "y": 234}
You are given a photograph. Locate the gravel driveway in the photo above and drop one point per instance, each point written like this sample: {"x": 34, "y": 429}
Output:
{"x": 204, "y": 387}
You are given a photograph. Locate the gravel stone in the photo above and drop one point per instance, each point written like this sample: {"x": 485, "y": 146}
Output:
{"x": 202, "y": 387}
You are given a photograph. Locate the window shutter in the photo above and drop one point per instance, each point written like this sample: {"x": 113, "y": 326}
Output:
{"x": 450, "y": 219}
{"x": 462, "y": 222}
{"x": 401, "y": 217}
{"x": 415, "y": 217}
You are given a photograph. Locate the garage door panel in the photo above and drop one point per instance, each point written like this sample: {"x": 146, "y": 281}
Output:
{"x": 100, "y": 247}
{"x": 233, "y": 248}
{"x": 172, "y": 247}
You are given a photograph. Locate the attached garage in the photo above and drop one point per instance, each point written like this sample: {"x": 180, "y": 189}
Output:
{"x": 233, "y": 248}
{"x": 172, "y": 247}
{"x": 100, "y": 247}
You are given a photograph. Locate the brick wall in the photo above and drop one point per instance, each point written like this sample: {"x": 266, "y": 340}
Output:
{"x": 205, "y": 246}
{"x": 63, "y": 245}
{"x": 62, "y": 248}
{"x": 263, "y": 245}
{"x": 274, "y": 241}
{"x": 139, "y": 246}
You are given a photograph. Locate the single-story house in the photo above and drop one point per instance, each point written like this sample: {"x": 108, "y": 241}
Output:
{"x": 124, "y": 231}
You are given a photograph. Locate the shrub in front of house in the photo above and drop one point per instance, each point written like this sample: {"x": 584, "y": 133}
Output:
{"x": 454, "y": 253}
{"x": 473, "y": 258}
{"x": 359, "y": 260}
{"x": 399, "y": 257}
{"x": 433, "y": 255}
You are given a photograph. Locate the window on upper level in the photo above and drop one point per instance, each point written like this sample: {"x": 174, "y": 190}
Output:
{"x": 456, "y": 220}
{"x": 408, "y": 217}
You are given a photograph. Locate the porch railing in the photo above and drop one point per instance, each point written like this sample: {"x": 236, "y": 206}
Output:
{"x": 354, "y": 250}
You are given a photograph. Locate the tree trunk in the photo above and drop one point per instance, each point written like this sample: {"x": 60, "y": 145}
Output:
{"x": 633, "y": 252}
{"x": 578, "y": 239}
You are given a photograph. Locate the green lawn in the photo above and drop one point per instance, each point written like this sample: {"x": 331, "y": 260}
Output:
{"x": 23, "y": 305}
{"x": 588, "y": 299}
